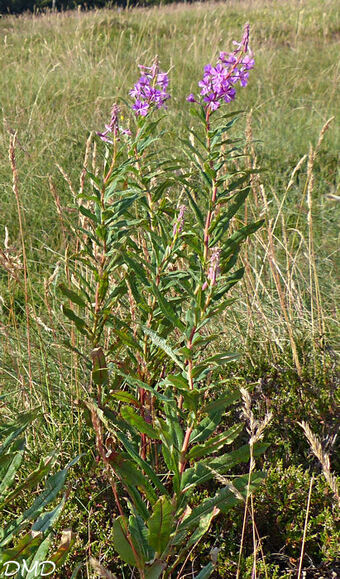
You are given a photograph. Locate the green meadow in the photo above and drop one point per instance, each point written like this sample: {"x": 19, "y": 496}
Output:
{"x": 60, "y": 75}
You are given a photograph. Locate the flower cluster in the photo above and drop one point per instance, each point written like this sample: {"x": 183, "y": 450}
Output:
{"x": 178, "y": 226}
{"x": 150, "y": 90}
{"x": 113, "y": 127}
{"x": 218, "y": 82}
{"x": 214, "y": 268}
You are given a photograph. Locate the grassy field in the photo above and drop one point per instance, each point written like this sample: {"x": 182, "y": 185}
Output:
{"x": 60, "y": 74}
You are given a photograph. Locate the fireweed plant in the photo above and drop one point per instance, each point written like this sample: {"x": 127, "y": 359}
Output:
{"x": 149, "y": 282}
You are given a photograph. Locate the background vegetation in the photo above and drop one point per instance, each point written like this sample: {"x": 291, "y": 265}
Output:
{"x": 60, "y": 74}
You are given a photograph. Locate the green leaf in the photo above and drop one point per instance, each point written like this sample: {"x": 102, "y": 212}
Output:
{"x": 72, "y": 295}
{"x": 23, "y": 549}
{"x": 167, "y": 309}
{"x": 47, "y": 520}
{"x": 31, "y": 481}
{"x": 206, "y": 508}
{"x": 215, "y": 443}
{"x": 14, "y": 429}
{"x": 221, "y": 403}
{"x": 120, "y": 542}
{"x": 135, "y": 382}
{"x": 127, "y": 338}
{"x": 155, "y": 571}
{"x": 79, "y": 322}
{"x": 40, "y": 554}
{"x": 239, "y": 236}
{"x": 195, "y": 207}
{"x": 131, "y": 476}
{"x": 53, "y": 486}
{"x": 231, "y": 281}
{"x": 138, "y": 422}
{"x": 160, "y": 524}
{"x": 126, "y": 397}
{"x": 139, "y": 534}
{"x": 87, "y": 213}
{"x": 203, "y": 526}
{"x": 122, "y": 205}
{"x": 207, "y": 469}
{"x": 143, "y": 465}
{"x": 9, "y": 466}
{"x": 163, "y": 345}
{"x": 205, "y": 572}
{"x": 223, "y": 358}
{"x": 100, "y": 373}
{"x": 137, "y": 268}
{"x": 177, "y": 380}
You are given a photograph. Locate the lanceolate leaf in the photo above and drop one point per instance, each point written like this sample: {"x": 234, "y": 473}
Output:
{"x": 139, "y": 534}
{"x": 126, "y": 397}
{"x": 47, "y": 520}
{"x": 53, "y": 486}
{"x": 167, "y": 309}
{"x": 224, "y": 500}
{"x": 161, "y": 343}
{"x": 121, "y": 543}
{"x": 155, "y": 571}
{"x": 23, "y": 549}
{"x": 138, "y": 422}
{"x": 240, "y": 236}
{"x": 8, "y": 432}
{"x": 222, "y": 402}
{"x": 41, "y": 555}
{"x": 72, "y": 295}
{"x": 79, "y": 322}
{"x": 160, "y": 524}
{"x": 135, "y": 382}
{"x": 132, "y": 476}
{"x": 215, "y": 443}
{"x": 206, "y": 469}
{"x": 100, "y": 373}
{"x": 203, "y": 526}
{"x": 9, "y": 465}
{"x": 205, "y": 572}
{"x": 195, "y": 207}
{"x": 141, "y": 463}
{"x": 31, "y": 481}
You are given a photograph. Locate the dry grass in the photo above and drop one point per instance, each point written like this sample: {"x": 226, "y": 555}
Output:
{"x": 324, "y": 460}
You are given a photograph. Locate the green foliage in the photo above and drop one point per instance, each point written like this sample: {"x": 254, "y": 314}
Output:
{"x": 33, "y": 546}
{"x": 288, "y": 492}
{"x": 154, "y": 277}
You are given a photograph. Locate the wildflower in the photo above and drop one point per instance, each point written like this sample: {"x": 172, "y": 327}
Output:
{"x": 214, "y": 266}
{"x": 178, "y": 226}
{"x": 113, "y": 127}
{"x": 191, "y": 98}
{"x": 150, "y": 90}
{"x": 218, "y": 82}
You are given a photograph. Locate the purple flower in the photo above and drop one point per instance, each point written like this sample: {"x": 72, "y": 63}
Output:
{"x": 141, "y": 108}
{"x": 150, "y": 90}
{"x": 218, "y": 82}
{"x": 214, "y": 265}
{"x": 191, "y": 98}
{"x": 248, "y": 62}
{"x": 178, "y": 226}
{"x": 212, "y": 101}
{"x": 113, "y": 127}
